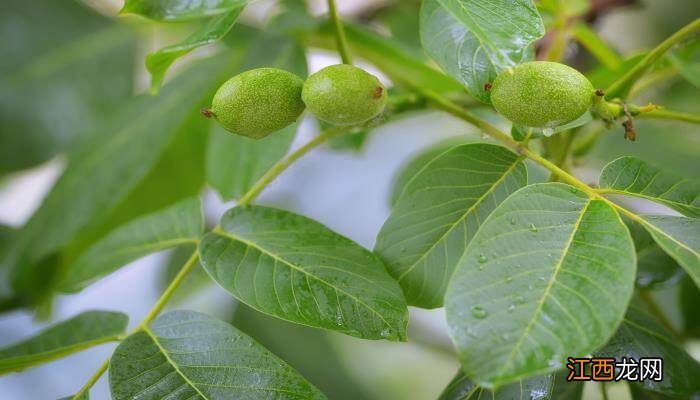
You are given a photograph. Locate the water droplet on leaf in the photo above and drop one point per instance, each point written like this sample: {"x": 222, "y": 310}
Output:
{"x": 479, "y": 312}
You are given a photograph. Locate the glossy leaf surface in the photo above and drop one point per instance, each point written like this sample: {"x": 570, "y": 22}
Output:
{"x": 635, "y": 177}
{"x": 180, "y": 10}
{"x": 188, "y": 355}
{"x": 474, "y": 40}
{"x": 439, "y": 212}
{"x": 519, "y": 301}
{"x": 296, "y": 269}
{"x": 73, "y": 335}
{"x": 180, "y": 224}
{"x": 642, "y": 335}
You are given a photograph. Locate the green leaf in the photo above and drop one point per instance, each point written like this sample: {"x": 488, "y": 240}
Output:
{"x": 689, "y": 300}
{"x": 632, "y": 176}
{"x": 417, "y": 163}
{"x": 641, "y": 335}
{"x": 196, "y": 281}
{"x": 296, "y": 269}
{"x": 461, "y": 388}
{"x": 439, "y": 212}
{"x": 519, "y": 133}
{"x": 455, "y": 48}
{"x": 680, "y": 238}
{"x": 565, "y": 390}
{"x": 687, "y": 61}
{"x": 179, "y": 224}
{"x": 64, "y": 69}
{"x": 585, "y": 35}
{"x": 473, "y": 40}
{"x": 158, "y": 62}
{"x": 85, "y": 330}
{"x": 180, "y": 10}
{"x": 185, "y": 354}
{"x": 101, "y": 174}
{"x": 312, "y": 352}
{"x": 519, "y": 301}
{"x": 234, "y": 162}
{"x": 399, "y": 65}
{"x": 655, "y": 268}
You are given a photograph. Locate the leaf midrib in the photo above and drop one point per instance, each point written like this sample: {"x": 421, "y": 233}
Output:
{"x": 153, "y": 337}
{"x": 263, "y": 250}
{"x": 452, "y": 227}
{"x": 545, "y": 295}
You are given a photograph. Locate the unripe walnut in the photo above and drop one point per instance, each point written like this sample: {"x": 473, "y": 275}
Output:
{"x": 541, "y": 94}
{"x": 258, "y": 102}
{"x": 344, "y": 95}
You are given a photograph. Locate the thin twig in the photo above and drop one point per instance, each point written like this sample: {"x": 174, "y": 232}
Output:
{"x": 340, "y": 37}
{"x": 622, "y": 86}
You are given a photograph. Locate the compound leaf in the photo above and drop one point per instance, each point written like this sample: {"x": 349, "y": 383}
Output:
{"x": 180, "y": 10}
{"x": 461, "y": 388}
{"x": 473, "y": 40}
{"x": 632, "y": 176}
{"x": 76, "y": 334}
{"x": 520, "y": 299}
{"x": 188, "y": 355}
{"x": 642, "y": 335}
{"x": 179, "y": 224}
{"x": 439, "y": 212}
{"x": 296, "y": 269}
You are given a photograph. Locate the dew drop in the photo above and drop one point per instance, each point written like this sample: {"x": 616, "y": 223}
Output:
{"x": 505, "y": 336}
{"x": 470, "y": 332}
{"x": 548, "y": 132}
{"x": 511, "y": 308}
{"x": 533, "y": 228}
{"x": 520, "y": 300}
{"x": 385, "y": 333}
{"x": 479, "y": 312}
{"x": 512, "y": 221}
{"x": 509, "y": 279}
{"x": 482, "y": 259}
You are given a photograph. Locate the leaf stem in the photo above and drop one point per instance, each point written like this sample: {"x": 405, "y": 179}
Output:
{"x": 90, "y": 383}
{"x": 671, "y": 115}
{"x": 167, "y": 294}
{"x": 340, "y": 37}
{"x": 622, "y": 86}
{"x": 283, "y": 164}
{"x": 162, "y": 301}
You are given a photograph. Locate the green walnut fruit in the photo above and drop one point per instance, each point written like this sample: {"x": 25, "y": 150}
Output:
{"x": 344, "y": 95}
{"x": 541, "y": 94}
{"x": 258, "y": 102}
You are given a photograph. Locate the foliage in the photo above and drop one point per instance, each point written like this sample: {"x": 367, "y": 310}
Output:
{"x": 530, "y": 273}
